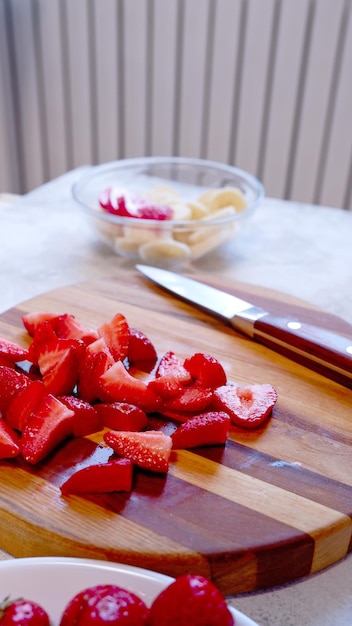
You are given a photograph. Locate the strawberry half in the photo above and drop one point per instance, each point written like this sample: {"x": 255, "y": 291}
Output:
{"x": 9, "y": 441}
{"x": 206, "y": 429}
{"x": 48, "y": 426}
{"x": 150, "y": 450}
{"x": 116, "y": 333}
{"x": 248, "y": 406}
{"x": 122, "y": 416}
{"x": 117, "y": 385}
{"x": 190, "y": 599}
{"x": 114, "y": 475}
{"x": 206, "y": 370}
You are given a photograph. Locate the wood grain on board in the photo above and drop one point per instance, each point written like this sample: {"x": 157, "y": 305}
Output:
{"x": 271, "y": 506}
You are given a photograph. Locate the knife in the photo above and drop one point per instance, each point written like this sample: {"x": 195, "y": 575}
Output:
{"x": 328, "y": 353}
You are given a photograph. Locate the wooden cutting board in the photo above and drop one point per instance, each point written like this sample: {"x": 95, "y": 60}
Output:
{"x": 271, "y": 506}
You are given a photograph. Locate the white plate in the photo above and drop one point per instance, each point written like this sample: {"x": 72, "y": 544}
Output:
{"x": 53, "y": 581}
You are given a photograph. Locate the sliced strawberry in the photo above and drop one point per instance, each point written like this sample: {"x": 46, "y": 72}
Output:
{"x": 206, "y": 370}
{"x": 171, "y": 364}
{"x": 68, "y": 327}
{"x": 94, "y": 362}
{"x": 206, "y": 429}
{"x": 150, "y": 450}
{"x": 122, "y": 416}
{"x": 86, "y": 420}
{"x": 116, "y": 334}
{"x": 154, "y": 212}
{"x": 117, "y": 385}
{"x": 12, "y": 351}
{"x": 57, "y": 359}
{"x": 11, "y": 384}
{"x": 114, "y": 475}
{"x": 247, "y": 406}
{"x": 24, "y": 403}
{"x": 141, "y": 352}
{"x": 6, "y": 362}
{"x": 47, "y": 427}
{"x": 166, "y": 386}
{"x": 9, "y": 441}
{"x": 31, "y": 321}
{"x": 193, "y": 398}
{"x": 44, "y": 335}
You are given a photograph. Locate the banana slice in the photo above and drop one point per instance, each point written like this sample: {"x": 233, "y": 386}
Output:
{"x": 228, "y": 196}
{"x": 158, "y": 250}
{"x": 163, "y": 194}
{"x": 215, "y": 238}
{"x": 206, "y": 197}
{"x": 181, "y": 210}
{"x": 198, "y": 209}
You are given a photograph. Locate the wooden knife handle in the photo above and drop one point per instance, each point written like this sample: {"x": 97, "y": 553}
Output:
{"x": 326, "y": 352}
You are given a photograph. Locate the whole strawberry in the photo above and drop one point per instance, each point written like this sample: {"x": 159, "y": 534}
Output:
{"x": 190, "y": 599}
{"x": 105, "y": 604}
{"x": 22, "y": 612}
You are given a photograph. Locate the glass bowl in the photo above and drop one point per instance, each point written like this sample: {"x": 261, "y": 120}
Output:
{"x": 167, "y": 211}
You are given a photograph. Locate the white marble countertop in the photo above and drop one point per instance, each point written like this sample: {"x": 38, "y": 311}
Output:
{"x": 302, "y": 250}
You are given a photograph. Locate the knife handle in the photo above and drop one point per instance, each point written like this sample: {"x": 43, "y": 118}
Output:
{"x": 326, "y": 352}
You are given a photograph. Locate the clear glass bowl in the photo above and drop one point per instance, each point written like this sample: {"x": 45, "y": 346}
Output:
{"x": 210, "y": 201}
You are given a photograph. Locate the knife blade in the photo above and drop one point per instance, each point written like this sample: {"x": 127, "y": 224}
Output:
{"x": 326, "y": 352}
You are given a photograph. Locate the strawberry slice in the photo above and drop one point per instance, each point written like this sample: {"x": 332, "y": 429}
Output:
{"x": 206, "y": 370}
{"x": 94, "y": 362}
{"x": 114, "y": 475}
{"x": 5, "y": 361}
{"x": 248, "y": 406}
{"x": 193, "y": 398}
{"x": 68, "y": 327}
{"x": 122, "y": 416}
{"x": 12, "y": 351}
{"x": 116, "y": 334}
{"x": 86, "y": 420}
{"x": 171, "y": 365}
{"x": 167, "y": 386}
{"x": 118, "y": 385}
{"x": 206, "y": 429}
{"x": 121, "y": 202}
{"x": 150, "y": 450}
{"x": 141, "y": 352}
{"x": 57, "y": 359}
{"x": 31, "y": 321}
{"x": 47, "y": 427}
{"x": 11, "y": 384}
{"x": 24, "y": 403}
{"x": 9, "y": 441}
